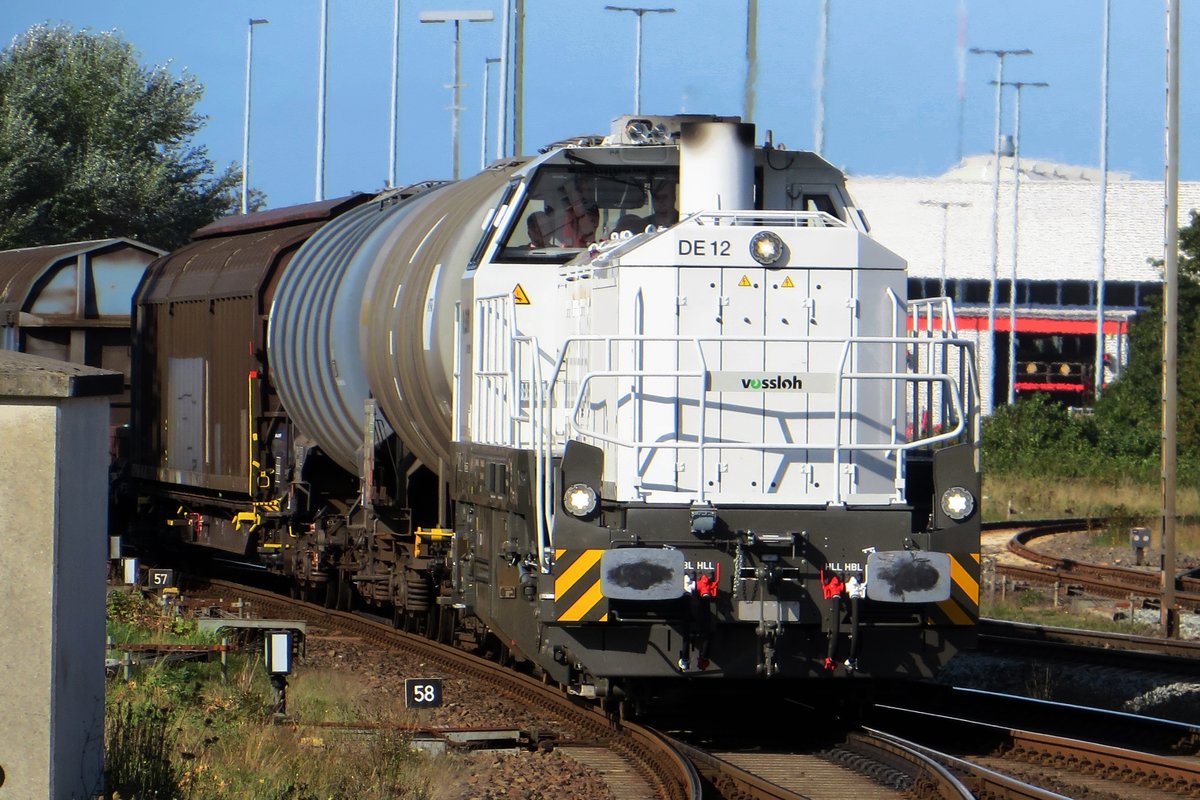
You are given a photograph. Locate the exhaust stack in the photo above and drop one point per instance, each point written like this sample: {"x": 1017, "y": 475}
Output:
{"x": 716, "y": 166}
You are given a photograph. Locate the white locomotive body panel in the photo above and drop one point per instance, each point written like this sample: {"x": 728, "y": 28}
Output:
{"x": 732, "y": 378}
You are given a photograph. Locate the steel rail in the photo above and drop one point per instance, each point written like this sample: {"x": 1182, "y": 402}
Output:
{"x": 664, "y": 769}
{"x": 1104, "y": 581}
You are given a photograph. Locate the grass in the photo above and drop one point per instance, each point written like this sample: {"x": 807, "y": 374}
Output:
{"x": 1035, "y": 608}
{"x": 179, "y": 731}
{"x": 1010, "y": 497}
{"x": 1115, "y": 507}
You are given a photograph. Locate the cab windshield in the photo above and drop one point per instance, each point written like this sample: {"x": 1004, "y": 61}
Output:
{"x": 568, "y": 208}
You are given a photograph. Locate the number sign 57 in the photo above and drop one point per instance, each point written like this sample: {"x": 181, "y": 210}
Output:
{"x": 423, "y": 692}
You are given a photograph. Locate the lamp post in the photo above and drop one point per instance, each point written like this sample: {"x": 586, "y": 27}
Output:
{"x": 945, "y": 206}
{"x": 322, "y": 53}
{"x": 637, "y": 70}
{"x": 1101, "y": 257}
{"x": 751, "y": 58}
{"x": 1169, "y": 615}
{"x": 1000, "y": 56}
{"x": 1012, "y": 293}
{"x": 483, "y": 133}
{"x": 822, "y": 70}
{"x": 457, "y": 17}
{"x": 394, "y": 99}
{"x": 246, "y": 118}
{"x": 502, "y": 103}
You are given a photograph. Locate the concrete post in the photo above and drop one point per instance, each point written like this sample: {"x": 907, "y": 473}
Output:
{"x": 53, "y": 527}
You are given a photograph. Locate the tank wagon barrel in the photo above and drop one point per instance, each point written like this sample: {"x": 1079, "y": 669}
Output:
{"x": 641, "y": 408}
{"x": 409, "y": 315}
{"x": 315, "y": 322}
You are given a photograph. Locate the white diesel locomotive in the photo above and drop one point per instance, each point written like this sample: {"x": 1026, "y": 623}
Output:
{"x": 647, "y": 406}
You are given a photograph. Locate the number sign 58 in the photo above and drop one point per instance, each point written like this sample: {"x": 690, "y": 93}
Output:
{"x": 423, "y": 692}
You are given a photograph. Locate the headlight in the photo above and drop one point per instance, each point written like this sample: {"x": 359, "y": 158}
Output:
{"x": 957, "y": 503}
{"x": 579, "y": 499}
{"x": 766, "y": 248}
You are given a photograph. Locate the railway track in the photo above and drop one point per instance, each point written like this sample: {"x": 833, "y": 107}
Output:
{"x": 634, "y": 761}
{"x": 639, "y": 763}
{"x": 1099, "y": 648}
{"x": 1102, "y": 581}
{"x": 865, "y": 766}
{"x": 1007, "y": 762}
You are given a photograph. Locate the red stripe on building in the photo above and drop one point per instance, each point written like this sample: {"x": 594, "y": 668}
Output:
{"x": 1048, "y": 387}
{"x": 1033, "y": 325}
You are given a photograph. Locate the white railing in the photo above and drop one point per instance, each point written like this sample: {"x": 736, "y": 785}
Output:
{"x": 779, "y": 219}
{"x": 524, "y": 397}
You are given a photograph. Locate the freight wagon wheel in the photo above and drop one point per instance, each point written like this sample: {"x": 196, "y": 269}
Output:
{"x": 345, "y": 593}
{"x": 400, "y": 603}
{"x": 417, "y": 606}
{"x": 332, "y": 579}
{"x": 446, "y": 617}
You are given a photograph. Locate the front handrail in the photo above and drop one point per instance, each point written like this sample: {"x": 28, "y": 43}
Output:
{"x": 530, "y": 397}
{"x": 758, "y": 219}
{"x": 704, "y": 374}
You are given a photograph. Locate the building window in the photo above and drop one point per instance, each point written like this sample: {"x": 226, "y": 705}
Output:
{"x": 1043, "y": 293}
{"x": 1078, "y": 293}
{"x": 975, "y": 291}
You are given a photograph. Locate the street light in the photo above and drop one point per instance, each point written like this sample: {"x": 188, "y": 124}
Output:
{"x": 1169, "y": 616}
{"x": 1012, "y": 292}
{"x": 1000, "y": 56}
{"x": 1100, "y": 260}
{"x": 945, "y": 206}
{"x": 457, "y": 17}
{"x": 322, "y": 78}
{"x": 822, "y": 70}
{"x": 394, "y": 99}
{"x": 483, "y": 133}
{"x": 246, "y": 118}
{"x": 637, "y": 71}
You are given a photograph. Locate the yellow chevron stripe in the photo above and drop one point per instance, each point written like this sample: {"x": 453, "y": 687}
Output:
{"x": 975, "y": 556}
{"x": 564, "y": 582}
{"x": 964, "y": 580}
{"x": 954, "y": 612}
{"x": 560, "y": 553}
{"x": 584, "y": 604}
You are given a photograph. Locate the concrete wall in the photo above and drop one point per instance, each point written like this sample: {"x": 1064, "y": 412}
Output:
{"x": 53, "y": 528}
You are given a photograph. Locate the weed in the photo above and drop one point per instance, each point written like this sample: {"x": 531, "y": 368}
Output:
{"x": 139, "y": 740}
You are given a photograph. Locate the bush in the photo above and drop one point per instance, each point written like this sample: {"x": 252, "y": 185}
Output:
{"x": 1037, "y": 437}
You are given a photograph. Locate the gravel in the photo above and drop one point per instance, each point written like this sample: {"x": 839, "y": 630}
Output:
{"x": 516, "y": 774}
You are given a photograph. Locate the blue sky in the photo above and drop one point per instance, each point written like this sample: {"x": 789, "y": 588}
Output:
{"x": 892, "y": 83}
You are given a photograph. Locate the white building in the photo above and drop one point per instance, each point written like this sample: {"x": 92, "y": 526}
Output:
{"x": 943, "y": 226}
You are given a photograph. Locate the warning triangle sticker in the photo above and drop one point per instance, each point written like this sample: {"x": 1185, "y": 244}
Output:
{"x": 745, "y": 281}
{"x": 519, "y": 296}
{"x": 787, "y": 283}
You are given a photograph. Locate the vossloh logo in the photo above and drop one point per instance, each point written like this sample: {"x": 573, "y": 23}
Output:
{"x": 819, "y": 382}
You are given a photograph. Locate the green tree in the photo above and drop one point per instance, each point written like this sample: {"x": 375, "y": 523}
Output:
{"x": 1122, "y": 440}
{"x": 92, "y": 145}
{"x": 1129, "y": 415}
